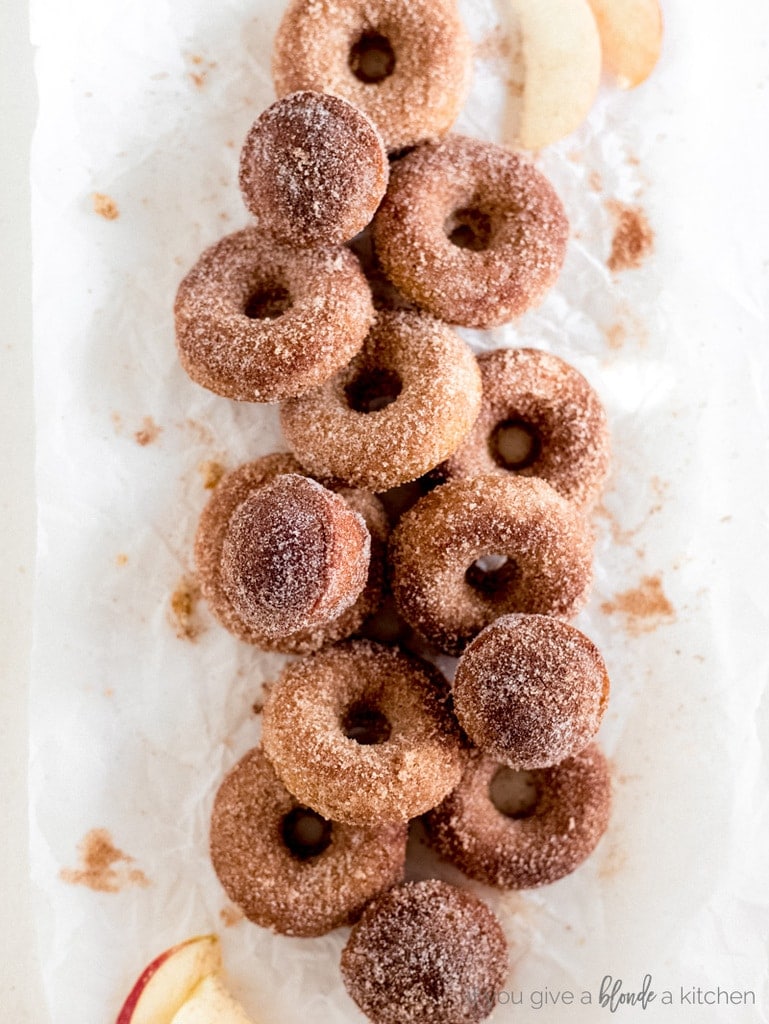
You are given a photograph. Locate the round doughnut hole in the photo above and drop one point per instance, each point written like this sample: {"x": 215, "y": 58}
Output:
{"x": 372, "y": 58}
{"x": 470, "y": 228}
{"x": 492, "y": 574}
{"x": 514, "y": 794}
{"x": 268, "y": 303}
{"x": 515, "y": 445}
{"x": 305, "y": 833}
{"x": 365, "y": 725}
{"x": 373, "y": 390}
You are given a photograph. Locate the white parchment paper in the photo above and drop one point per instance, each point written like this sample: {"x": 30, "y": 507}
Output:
{"x": 134, "y": 725}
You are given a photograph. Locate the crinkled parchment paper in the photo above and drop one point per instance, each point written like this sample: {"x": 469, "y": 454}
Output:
{"x": 140, "y": 701}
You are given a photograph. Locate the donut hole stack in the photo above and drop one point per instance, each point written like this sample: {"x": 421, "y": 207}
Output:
{"x": 337, "y": 302}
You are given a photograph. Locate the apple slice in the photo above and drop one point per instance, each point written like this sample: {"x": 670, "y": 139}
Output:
{"x": 631, "y": 37}
{"x": 165, "y": 985}
{"x": 211, "y": 1003}
{"x": 556, "y": 71}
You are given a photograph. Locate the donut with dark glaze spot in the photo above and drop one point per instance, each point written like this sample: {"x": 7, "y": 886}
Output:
{"x": 287, "y": 868}
{"x": 544, "y": 842}
{"x": 470, "y": 231}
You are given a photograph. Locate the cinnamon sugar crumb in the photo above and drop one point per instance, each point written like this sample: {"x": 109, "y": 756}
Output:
{"x": 230, "y": 916}
{"x": 643, "y": 606}
{"x": 183, "y": 609}
{"x": 98, "y": 856}
{"x": 495, "y": 45}
{"x": 211, "y": 472}
{"x": 121, "y": 559}
{"x": 148, "y": 433}
{"x": 633, "y": 237}
{"x": 105, "y": 206}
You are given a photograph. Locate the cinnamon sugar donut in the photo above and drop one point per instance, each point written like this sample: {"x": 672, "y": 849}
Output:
{"x": 361, "y": 733}
{"x": 539, "y": 417}
{"x": 295, "y": 555}
{"x": 231, "y": 493}
{"x": 538, "y": 844}
{"x": 470, "y": 231}
{"x": 531, "y": 691}
{"x": 425, "y": 951}
{"x": 259, "y": 323}
{"x": 286, "y": 867}
{"x": 405, "y": 63}
{"x": 313, "y": 170}
{"x": 402, "y": 405}
{"x": 443, "y": 551}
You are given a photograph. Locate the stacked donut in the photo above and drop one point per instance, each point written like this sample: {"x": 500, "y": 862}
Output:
{"x": 337, "y": 303}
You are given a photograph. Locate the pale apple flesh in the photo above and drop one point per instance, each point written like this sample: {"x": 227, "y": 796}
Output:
{"x": 166, "y": 983}
{"x": 631, "y": 37}
{"x": 211, "y": 1003}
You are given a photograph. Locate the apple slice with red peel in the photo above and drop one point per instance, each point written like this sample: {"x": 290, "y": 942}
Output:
{"x": 556, "y": 69}
{"x": 631, "y": 37}
{"x": 211, "y": 1003}
{"x": 165, "y": 984}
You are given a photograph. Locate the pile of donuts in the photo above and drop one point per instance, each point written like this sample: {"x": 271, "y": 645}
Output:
{"x": 451, "y": 490}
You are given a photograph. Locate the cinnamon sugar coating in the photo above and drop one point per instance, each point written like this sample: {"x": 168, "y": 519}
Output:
{"x": 431, "y": 381}
{"x": 295, "y": 891}
{"x": 259, "y": 323}
{"x": 470, "y": 231}
{"x": 426, "y": 951}
{"x": 295, "y": 555}
{"x": 319, "y": 705}
{"x": 425, "y": 68}
{"x": 547, "y": 398}
{"x": 230, "y": 494}
{"x": 313, "y": 170}
{"x": 531, "y": 691}
{"x": 571, "y": 813}
{"x": 445, "y": 596}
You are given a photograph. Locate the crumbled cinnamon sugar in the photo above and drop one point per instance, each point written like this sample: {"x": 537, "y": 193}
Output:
{"x": 211, "y": 472}
{"x": 595, "y": 181}
{"x": 148, "y": 432}
{"x": 105, "y": 206}
{"x": 183, "y": 607}
{"x": 644, "y": 607}
{"x": 633, "y": 237}
{"x": 230, "y": 916}
{"x": 98, "y": 856}
{"x": 616, "y": 335}
{"x": 202, "y": 67}
{"x": 495, "y": 45}
{"x": 121, "y": 559}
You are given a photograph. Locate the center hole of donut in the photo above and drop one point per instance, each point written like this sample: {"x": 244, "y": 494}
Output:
{"x": 513, "y": 793}
{"x": 268, "y": 304}
{"x": 373, "y": 390}
{"x": 372, "y": 58}
{"x": 470, "y": 228}
{"x": 366, "y": 725}
{"x": 491, "y": 574}
{"x": 515, "y": 445}
{"x": 305, "y": 833}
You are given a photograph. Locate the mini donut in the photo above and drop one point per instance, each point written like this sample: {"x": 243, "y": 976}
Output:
{"x": 470, "y": 231}
{"x": 531, "y": 691}
{"x": 287, "y": 868}
{"x": 362, "y": 733}
{"x": 400, "y": 407}
{"x": 295, "y": 555}
{"x": 230, "y": 494}
{"x": 259, "y": 323}
{"x": 539, "y": 844}
{"x": 405, "y": 63}
{"x": 554, "y": 419}
{"x": 313, "y": 170}
{"x": 441, "y": 555}
{"x": 426, "y": 951}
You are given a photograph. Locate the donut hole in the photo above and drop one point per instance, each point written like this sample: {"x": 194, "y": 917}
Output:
{"x": 305, "y": 833}
{"x": 373, "y": 390}
{"x": 366, "y": 725}
{"x": 372, "y": 58}
{"x": 470, "y": 228}
{"x": 515, "y": 445}
{"x": 492, "y": 574}
{"x": 267, "y": 303}
{"x": 513, "y": 793}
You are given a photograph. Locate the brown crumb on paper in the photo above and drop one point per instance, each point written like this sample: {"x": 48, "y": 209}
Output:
{"x": 633, "y": 237}
{"x": 211, "y": 472}
{"x": 99, "y": 857}
{"x": 105, "y": 206}
{"x": 201, "y": 68}
{"x": 644, "y": 607}
{"x": 148, "y": 433}
{"x": 121, "y": 559}
{"x": 183, "y": 608}
{"x": 230, "y": 916}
